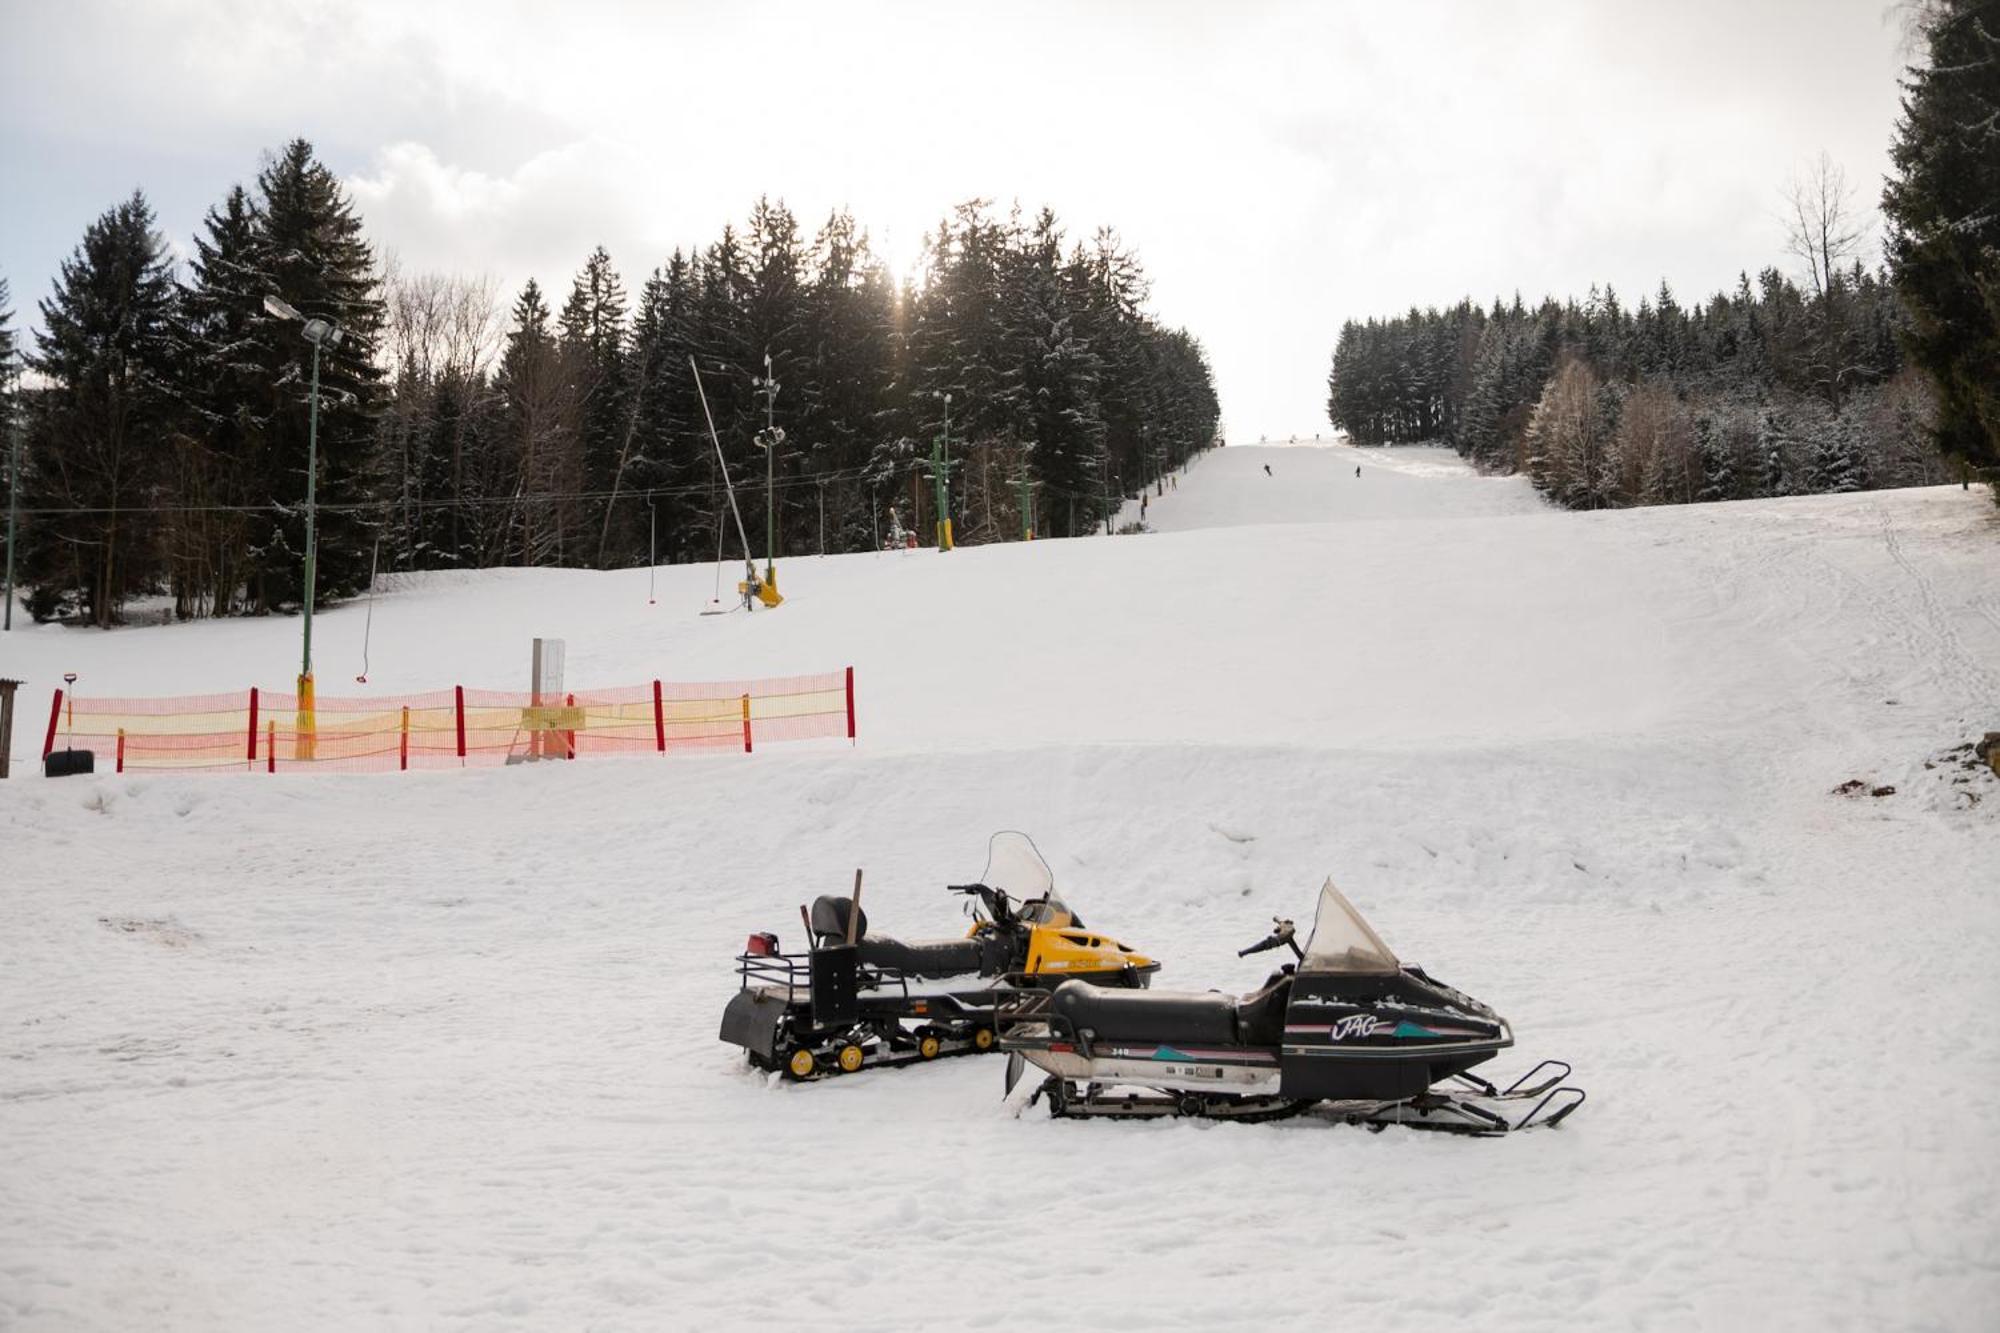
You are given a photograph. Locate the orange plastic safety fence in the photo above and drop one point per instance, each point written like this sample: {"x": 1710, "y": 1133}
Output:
{"x": 266, "y": 731}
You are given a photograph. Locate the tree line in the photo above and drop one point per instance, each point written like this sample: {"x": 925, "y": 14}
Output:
{"x": 166, "y": 420}
{"x": 1844, "y": 379}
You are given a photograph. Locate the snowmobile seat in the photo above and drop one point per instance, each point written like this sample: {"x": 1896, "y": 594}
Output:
{"x": 1260, "y": 1015}
{"x": 829, "y": 919}
{"x": 1113, "y": 1014}
{"x": 923, "y": 958}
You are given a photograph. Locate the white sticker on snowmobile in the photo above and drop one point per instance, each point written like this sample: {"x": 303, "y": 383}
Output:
{"x": 1355, "y": 1025}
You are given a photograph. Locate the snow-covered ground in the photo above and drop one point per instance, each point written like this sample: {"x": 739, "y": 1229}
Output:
{"x": 438, "y": 1050}
{"x": 1239, "y": 485}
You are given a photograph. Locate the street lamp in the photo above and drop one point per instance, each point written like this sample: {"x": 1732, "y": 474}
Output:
{"x": 941, "y": 470}
{"x": 768, "y": 439}
{"x": 324, "y": 335}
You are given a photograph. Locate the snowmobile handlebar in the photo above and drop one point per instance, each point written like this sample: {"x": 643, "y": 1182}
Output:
{"x": 995, "y": 899}
{"x": 1282, "y": 933}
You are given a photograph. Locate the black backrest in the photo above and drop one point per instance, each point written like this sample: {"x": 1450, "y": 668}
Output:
{"x": 1260, "y": 1015}
{"x": 829, "y": 919}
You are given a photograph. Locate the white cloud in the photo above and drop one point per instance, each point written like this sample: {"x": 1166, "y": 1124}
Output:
{"x": 1280, "y": 167}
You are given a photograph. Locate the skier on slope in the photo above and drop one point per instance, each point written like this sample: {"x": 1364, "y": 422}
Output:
{"x": 1267, "y": 469}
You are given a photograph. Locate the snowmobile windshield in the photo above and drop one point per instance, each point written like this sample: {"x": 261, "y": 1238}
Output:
{"x": 1015, "y": 867}
{"x": 1342, "y": 942}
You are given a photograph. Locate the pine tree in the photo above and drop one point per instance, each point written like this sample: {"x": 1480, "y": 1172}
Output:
{"x": 1478, "y": 435}
{"x": 1051, "y": 374}
{"x": 1774, "y": 450}
{"x": 6, "y": 345}
{"x": 537, "y": 429}
{"x": 1111, "y": 289}
{"x": 1944, "y": 232}
{"x": 9, "y": 373}
{"x": 96, "y": 438}
{"x": 311, "y": 252}
{"x": 447, "y": 428}
{"x": 593, "y": 340}
{"x": 774, "y": 310}
{"x": 721, "y": 343}
{"x": 1718, "y": 481}
{"x": 9, "y": 393}
{"x": 849, "y": 343}
{"x": 1834, "y": 463}
{"x": 229, "y": 396}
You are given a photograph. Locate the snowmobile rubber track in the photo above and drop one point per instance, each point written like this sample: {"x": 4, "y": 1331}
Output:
{"x": 1065, "y": 1103}
{"x": 826, "y": 1061}
{"x": 1449, "y": 1112}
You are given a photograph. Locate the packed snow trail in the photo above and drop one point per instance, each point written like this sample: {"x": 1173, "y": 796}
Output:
{"x": 1246, "y": 485}
{"x": 438, "y": 1050}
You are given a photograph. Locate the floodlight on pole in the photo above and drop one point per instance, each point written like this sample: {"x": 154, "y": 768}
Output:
{"x": 768, "y": 439}
{"x": 322, "y": 334}
{"x": 941, "y": 475}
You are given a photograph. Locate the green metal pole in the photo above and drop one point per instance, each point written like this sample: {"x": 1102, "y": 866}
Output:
{"x": 312, "y": 478}
{"x": 938, "y": 485}
{"x": 940, "y": 462}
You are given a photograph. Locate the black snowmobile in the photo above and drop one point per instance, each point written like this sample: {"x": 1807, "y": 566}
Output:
{"x": 856, "y": 998}
{"x": 1345, "y": 1026}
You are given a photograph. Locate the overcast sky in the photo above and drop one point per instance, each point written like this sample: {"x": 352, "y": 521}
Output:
{"x": 1278, "y": 167}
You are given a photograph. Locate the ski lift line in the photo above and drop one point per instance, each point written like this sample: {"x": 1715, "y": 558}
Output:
{"x": 368, "y": 628}
{"x": 749, "y": 562}
{"x": 397, "y": 505}
{"x": 720, "y": 533}
{"x": 538, "y": 497}
{"x": 863, "y": 473}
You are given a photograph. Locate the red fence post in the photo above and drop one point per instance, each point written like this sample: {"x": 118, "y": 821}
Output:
{"x": 850, "y": 703}
{"x": 461, "y": 722}
{"x": 746, "y": 724}
{"x": 271, "y": 746}
{"x": 121, "y": 749}
{"x": 253, "y": 724}
{"x": 659, "y": 721}
{"x": 55, "y": 712}
{"x": 406, "y": 738}
{"x": 569, "y": 737}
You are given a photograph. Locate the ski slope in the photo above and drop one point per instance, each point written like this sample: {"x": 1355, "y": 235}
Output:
{"x": 438, "y": 1050}
{"x": 1332, "y": 483}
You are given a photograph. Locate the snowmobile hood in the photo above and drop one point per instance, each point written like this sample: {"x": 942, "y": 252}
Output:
{"x": 1344, "y": 944}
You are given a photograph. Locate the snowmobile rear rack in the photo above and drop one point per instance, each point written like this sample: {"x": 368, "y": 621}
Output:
{"x": 824, "y": 1012}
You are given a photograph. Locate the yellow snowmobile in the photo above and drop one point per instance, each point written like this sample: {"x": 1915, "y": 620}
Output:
{"x": 853, "y": 999}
